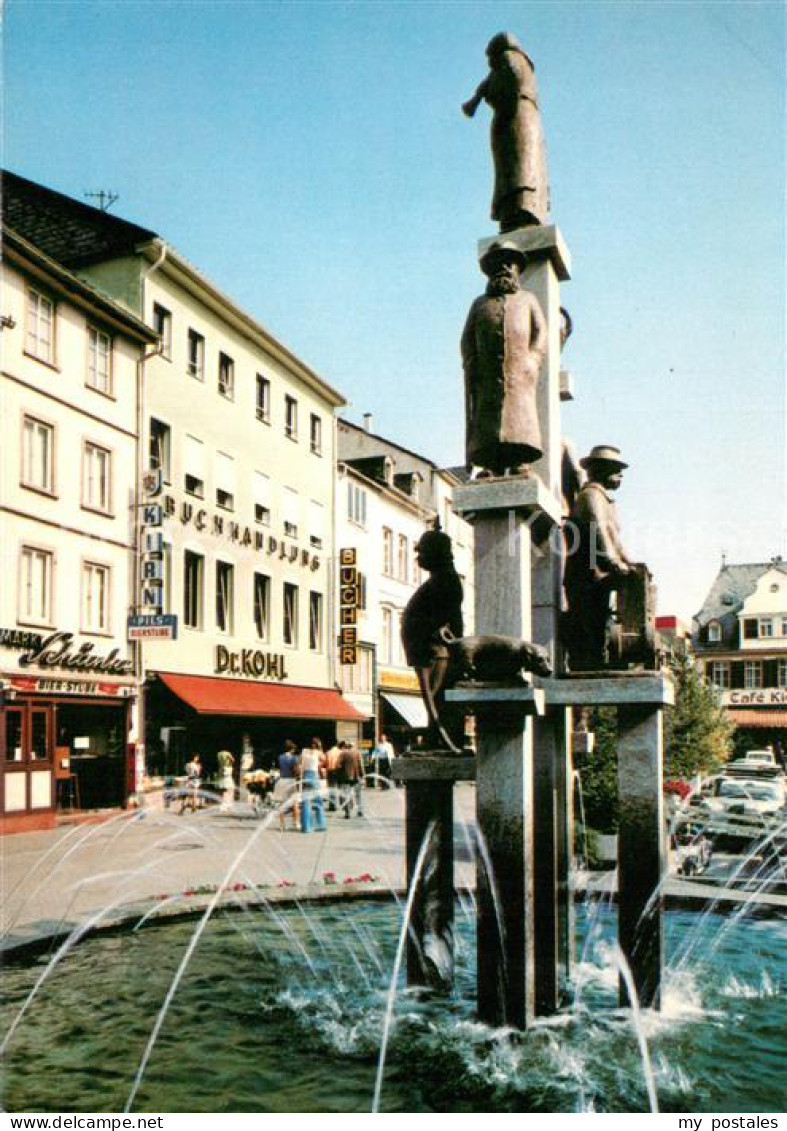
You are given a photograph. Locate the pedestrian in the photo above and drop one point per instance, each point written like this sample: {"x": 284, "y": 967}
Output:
{"x": 383, "y": 755}
{"x": 353, "y": 778}
{"x": 332, "y": 777}
{"x": 285, "y": 792}
{"x": 193, "y": 779}
{"x": 226, "y": 780}
{"x": 312, "y": 768}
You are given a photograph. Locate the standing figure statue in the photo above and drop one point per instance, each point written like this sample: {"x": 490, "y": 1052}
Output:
{"x": 596, "y": 563}
{"x": 435, "y": 606}
{"x": 503, "y": 345}
{"x": 521, "y": 193}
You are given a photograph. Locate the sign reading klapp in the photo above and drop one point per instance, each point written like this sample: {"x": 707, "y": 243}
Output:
{"x": 756, "y": 697}
{"x": 348, "y": 607}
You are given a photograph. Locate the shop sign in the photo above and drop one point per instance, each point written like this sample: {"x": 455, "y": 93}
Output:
{"x": 250, "y": 662}
{"x": 221, "y": 527}
{"x": 755, "y": 697}
{"x": 59, "y": 651}
{"x": 152, "y": 626}
{"x": 46, "y": 685}
{"x": 391, "y": 680}
{"x": 348, "y": 607}
{"x": 152, "y": 564}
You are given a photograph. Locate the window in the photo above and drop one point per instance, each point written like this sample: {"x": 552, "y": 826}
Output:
{"x": 224, "y": 596}
{"x": 357, "y": 677}
{"x": 261, "y": 486}
{"x": 387, "y": 636}
{"x": 719, "y": 673}
{"x": 225, "y": 481}
{"x": 194, "y": 461}
{"x": 193, "y": 578}
{"x": 315, "y": 434}
{"x": 356, "y": 503}
{"x": 766, "y": 628}
{"x": 290, "y": 614}
{"x": 290, "y": 511}
{"x": 159, "y": 455}
{"x": 95, "y": 597}
{"x": 40, "y": 339}
{"x": 291, "y": 418}
{"x": 781, "y": 673}
{"x": 38, "y": 455}
{"x": 226, "y": 376}
{"x": 196, "y": 355}
{"x": 96, "y": 478}
{"x": 162, "y": 324}
{"x": 714, "y": 632}
{"x": 750, "y": 629}
{"x": 361, "y": 581}
{"x": 99, "y": 360}
{"x": 315, "y": 621}
{"x": 752, "y": 674}
{"x": 35, "y": 601}
{"x": 263, "y": 398}
{"x": 316, "y": 524}
{"x": 784, "y": 626}
{"x": 387, "y": 551}
{"x": 402, "y": 558}
{"x": 262, "y": 605}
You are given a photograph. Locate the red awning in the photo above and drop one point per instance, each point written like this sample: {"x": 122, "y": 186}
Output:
{"x": 757, "y": 717}
{"x": 211, "y": 696}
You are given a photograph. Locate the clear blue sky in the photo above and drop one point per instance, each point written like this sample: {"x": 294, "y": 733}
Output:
{"x": 312, "y": 160}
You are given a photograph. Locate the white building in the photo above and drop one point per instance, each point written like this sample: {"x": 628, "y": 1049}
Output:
{"x": 69, "y": 405}
{"x": 387, "y": 498}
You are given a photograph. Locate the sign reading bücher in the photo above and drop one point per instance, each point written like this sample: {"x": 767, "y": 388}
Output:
{"x": 348, "y": 607}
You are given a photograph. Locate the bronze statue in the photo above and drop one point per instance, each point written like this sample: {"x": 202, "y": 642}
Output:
{"x": 521, "y": 193}
{"x": 503, "y": 344}
{"x": 435, "y": 606}
{"x": 493, "y": 659}
{"x": 596, "y": 567}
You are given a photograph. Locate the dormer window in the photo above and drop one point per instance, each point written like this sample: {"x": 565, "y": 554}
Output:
{"x": 714, "y": 632}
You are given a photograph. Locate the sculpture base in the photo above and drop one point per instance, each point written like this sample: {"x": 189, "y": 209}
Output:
{"x": 433, "y": 765}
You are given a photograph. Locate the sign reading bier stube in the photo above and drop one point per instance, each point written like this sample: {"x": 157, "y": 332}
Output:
{"x": 348, "y": 607}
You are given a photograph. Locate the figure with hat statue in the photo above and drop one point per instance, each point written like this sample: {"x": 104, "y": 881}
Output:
{"x": 503, "y": 345}
{"x": 521, "y": 192}
{"x": 597, "y": 567}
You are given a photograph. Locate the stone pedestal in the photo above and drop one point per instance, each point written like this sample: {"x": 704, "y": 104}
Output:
{"x": 429, "y": 781}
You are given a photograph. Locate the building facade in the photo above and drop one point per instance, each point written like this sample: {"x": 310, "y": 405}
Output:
{"x": 740, "y": 639}
{"x": 387, "y": 498}
{"x": 72, "y": 365}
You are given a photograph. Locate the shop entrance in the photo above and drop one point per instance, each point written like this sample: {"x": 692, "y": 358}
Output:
{"x": 92, "y": 740}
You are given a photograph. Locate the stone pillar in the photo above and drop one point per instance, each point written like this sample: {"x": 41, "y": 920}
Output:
{"x": 429, "y": 781}
{"x": 641, "y": 849}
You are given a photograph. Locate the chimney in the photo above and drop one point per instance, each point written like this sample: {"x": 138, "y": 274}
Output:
{"x": 367, "y": 421}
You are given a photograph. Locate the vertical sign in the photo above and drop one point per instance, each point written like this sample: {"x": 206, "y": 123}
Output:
{"x": 348, "y": 607}
{"x": 152, "y": 565}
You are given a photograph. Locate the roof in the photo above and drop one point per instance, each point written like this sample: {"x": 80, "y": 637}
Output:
{"x": 69, "y": 231}
{"x": 733, "y": 584}
{"x": 27, "y": 257}
{"x": 212, "y": 695}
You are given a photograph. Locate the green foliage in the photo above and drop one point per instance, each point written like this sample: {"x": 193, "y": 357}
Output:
{"x": 598, "y": 772}
{"x": 697, "y": 732}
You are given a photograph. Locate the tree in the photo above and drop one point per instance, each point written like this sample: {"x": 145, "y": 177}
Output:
{"x": 697, "y": 732}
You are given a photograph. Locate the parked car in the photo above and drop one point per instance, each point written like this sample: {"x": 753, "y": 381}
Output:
{"x": 760, "y": 757}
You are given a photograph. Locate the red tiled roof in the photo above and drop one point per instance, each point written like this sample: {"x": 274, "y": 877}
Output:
{"x": 211, "y": 696}
{"x": 757, "y": 717}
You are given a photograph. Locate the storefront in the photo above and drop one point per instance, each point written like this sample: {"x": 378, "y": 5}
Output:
{"x": 204, "y": 714}
{"x": 63, "y": 734}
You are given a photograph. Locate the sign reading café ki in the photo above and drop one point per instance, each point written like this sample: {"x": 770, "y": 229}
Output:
{"x": 755, "y": 697}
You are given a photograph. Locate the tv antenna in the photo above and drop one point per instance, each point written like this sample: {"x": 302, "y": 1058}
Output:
{"x": 105, "y": 198}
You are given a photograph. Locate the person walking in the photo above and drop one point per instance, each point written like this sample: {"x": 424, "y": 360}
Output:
{"x": 312, "y": 767}
{"x": 332, "y": 777}
{"x": 226, "y": 780}
{"x": 193, "y": 778}
{"x": 353, "y": 778}
{"x": 286, "y": 788}
{"x": 383, "y": 755}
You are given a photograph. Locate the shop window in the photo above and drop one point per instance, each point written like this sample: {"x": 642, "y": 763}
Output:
{"x": 99, "y": 360}
{"x": 290, "y": 625}
{"x": 36, "y": 569}
{"x": 225, "y": 577}
{"x": 193, "y": 579}
{"x": 315, "y": 621}
{"x": 95, "y": 597}
{"x": 159, "y": 455}
{"x": 263, "y": 399}
{"x": 196, "y": 356}
{"x": 38, "y": 455}
{"x": 96, "y": 478}
{"x": 39, "y": 735}
{"x": 162, "y": 324}
{"x": 262, "y": 605}
{"x": 13, "y": 734}
{"x": 39, "y": 336}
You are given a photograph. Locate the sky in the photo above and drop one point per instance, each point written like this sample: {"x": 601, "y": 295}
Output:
{"x": 311, "y": 158}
